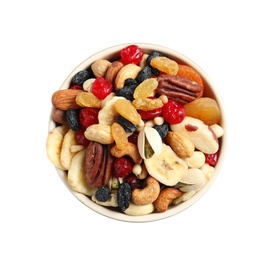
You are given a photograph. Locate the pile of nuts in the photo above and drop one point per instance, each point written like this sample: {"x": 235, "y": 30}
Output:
{"x": 135, "y": 134}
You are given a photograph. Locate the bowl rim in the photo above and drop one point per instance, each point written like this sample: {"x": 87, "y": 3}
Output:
{"x": 111, "y": 53}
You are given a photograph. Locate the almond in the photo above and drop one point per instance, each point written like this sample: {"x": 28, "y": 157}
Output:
{"x": 65, "y": 98}
{"x": 180, "y": 144}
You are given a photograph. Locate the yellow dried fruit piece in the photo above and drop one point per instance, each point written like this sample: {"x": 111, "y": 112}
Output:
{"x": 147, "y": 103}
{"x": 119, "y": 135}
{"x": 145, "y": 88}
{"x": 206, "y": 109}
{"x": 165, "y": 64}
{"x": 88, "y": 99}
{"x": 125, "y": 108}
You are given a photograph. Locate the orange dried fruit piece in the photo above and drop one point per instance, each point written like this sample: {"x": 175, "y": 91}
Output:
{"x": 191, "y": 74}
{"x": 165, "y": 64}
{"x": 206, "y": 109}
{"x": 119, "y": 135}
{"x": 125, "y": 108}
{"x": 145, "y": 88}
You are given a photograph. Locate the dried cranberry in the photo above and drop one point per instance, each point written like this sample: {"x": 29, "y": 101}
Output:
{"x": 131, "y": 54}
{"x": 101, "y": 88}
{"x": 212, "y": 159}
{"x": 133, "y": 138}
{"x": 122, "y": 167}
{"x": 88, "y": 116}
{"x": 150, "y": 114}
{"x": 80, "y": 138}
{"x": 133, "y": 181}
{"x": 76, "y": 87}
{"x": 173, "y": 112}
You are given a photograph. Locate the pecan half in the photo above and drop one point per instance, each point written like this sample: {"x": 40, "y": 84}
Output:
{"x": 178, "y": 88}
{"x": 98, "y": 164}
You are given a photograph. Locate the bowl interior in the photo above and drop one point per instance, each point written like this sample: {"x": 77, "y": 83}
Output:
{"x": 112, "y": 53}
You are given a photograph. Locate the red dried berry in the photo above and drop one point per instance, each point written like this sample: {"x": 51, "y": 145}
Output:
{"x": 80, "y": 138}
{"x": 122, "y": 167}
{"x": 173, "y": 112}
{"x": 133, "y": 181}
{"x": 212, "y": 159}
{"x": 76, "y": 87}
{"x": 101, "y": 88}
{"x": 88, "y": 116}
{"x": 150, "y": 114}
{"x": 131, "y": 54}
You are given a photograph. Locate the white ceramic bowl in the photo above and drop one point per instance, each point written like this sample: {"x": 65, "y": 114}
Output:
{"x": 210, "y": 91}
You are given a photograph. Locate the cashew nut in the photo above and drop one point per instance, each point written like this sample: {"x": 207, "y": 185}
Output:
{"x": 148, "y": 194}
{"x": 139, "y": 210}
{"x": 165, "y": 198}
{"x": 131, "y": 150}
{"x": 100, "y": 133}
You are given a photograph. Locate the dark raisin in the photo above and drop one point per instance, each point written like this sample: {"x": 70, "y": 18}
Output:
{"x": 126, "y": 124}
{"x": 80, "y": 77}
{"x": 144, "y": 74}
{"x": 162, "y": 129}
{"x": 103, "y": 194}
{"x": 126, "y": 92}
{"x": 124, "y": 194}
{"x": 72, "y": 116}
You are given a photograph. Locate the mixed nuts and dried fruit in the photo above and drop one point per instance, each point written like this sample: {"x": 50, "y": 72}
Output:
{"x": 135, "y": 134}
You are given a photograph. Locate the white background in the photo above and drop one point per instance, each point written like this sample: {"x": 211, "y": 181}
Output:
{"x": 235, "y": 42}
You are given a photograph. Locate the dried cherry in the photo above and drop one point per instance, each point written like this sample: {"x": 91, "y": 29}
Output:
{"x": 101, "y": 88}
{"x": 122, "y": 167}
{"x": 88, "y": 116}
{"x": 131, "y": 54}
{"x": 173, "y": 112}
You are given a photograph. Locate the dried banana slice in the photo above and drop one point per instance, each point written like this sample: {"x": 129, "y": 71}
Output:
{"x": 54, "y": 145}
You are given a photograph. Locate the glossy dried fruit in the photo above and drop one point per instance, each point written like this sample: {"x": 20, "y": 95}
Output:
{"x": 165, "y": 64}
{"x": 131, "y": 54}
{"x": 127, "y": 110}
{"x": 144, "y": 74}
{"x": 147, "y": 103}
{"x": 122, "y": 167}
{"x": 88, "y": 116}
{"x": 101, "y": 88}
{"x": 173, "y": 112}
{"x": 146, "y": 88}
{"x": 206, "y": 109}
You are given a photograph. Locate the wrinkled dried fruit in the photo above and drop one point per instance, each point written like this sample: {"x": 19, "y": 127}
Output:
{"x": 127, "y": 110}
{"x": 146, "y": 88}
{"x": 124, "y": 194}
{"x": 73, "y": 119}
{"x": 165, "y": 64}
{"x": 119, "y": 135}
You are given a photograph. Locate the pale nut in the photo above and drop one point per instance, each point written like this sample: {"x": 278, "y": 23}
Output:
{"x": 131, "y": 150}
{"x": 218, "y": 130}
{"x": 139, "y": 210}
{"x": 99, "y": 67}
{"x": 184, "y": 197}
{"x": 140, "y": 171}
{"x": 180, "y": 144}
{"x": 65, "y": 98}
{"x": 199, "y": 133}
{"x": 148, "y": 194}
{"x": 165, "y": 198}
{"x": 127, "y": 71}
{"x": 207, "y": 170}
{"x": 99, "y": 133}
{"x": 196, "y": 160}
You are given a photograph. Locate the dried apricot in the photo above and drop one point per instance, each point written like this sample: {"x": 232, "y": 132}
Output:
{"x": 205, "y": 109}
{"x": 165, "y": 64}
{"x": 190, "y": 73}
